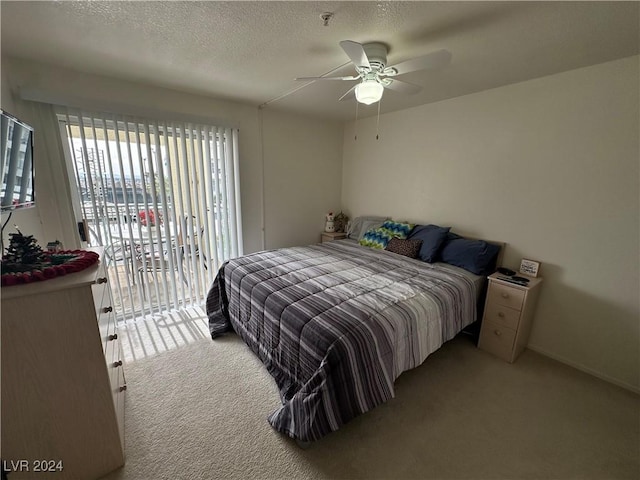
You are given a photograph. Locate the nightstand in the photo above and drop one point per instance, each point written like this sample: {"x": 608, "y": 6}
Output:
{"x": 330, "y": 236}
{"x": 508, "y": 315}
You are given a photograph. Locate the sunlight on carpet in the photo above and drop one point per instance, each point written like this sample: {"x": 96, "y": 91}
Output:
{"x": 150, "y": 335}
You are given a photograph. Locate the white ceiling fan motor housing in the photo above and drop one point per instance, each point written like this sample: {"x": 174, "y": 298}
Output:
{"x": 377, "y": 55}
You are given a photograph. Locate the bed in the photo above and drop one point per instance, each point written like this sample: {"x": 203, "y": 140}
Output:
{"x": 336, "y": 323}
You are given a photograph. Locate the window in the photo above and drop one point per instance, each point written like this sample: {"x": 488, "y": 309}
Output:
{"x": 162, "y": 197}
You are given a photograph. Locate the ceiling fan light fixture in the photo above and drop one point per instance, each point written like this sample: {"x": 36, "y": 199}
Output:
{"x": 369, "y": 91}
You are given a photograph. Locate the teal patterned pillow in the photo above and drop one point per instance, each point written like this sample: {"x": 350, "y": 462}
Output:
{"x": 376, "y": 238}
{"x": 399, "y": 230}
{"x": 380, "y": 237}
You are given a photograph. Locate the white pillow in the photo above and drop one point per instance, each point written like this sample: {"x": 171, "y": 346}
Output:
{"x": 359, "y": 225}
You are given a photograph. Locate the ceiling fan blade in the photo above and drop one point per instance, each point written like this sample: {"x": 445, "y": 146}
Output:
{"x": 350, "y": 94}
{"x": 328, "y": 78}
{"x": 435, "y": 59}
{"x": 404, "y": 87}
{"x": 355, "y": 52}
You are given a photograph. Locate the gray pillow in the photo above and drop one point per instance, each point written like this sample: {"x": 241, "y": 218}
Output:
{"x": 359, "y": 225}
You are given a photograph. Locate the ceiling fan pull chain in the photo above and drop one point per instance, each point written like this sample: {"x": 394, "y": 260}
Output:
{"x": 378, "y": 120}
{"x": 355, "y": 126}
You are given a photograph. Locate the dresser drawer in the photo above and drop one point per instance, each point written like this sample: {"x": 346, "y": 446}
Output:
{"x": 505, "y": 316}
{"x": 98, "y": 291}
{"x": 100, "y": 286}
{"x": 117, "y": 382}
{"x": 115, "y": 374}
{"x": 503, "y": 295}
{"x": 112, "y": 353}
{"x": 111, "y": 346}
{"x": 497, "y": 339}
{"x": 106, "y": 322}
{"x": 118, "y": 401}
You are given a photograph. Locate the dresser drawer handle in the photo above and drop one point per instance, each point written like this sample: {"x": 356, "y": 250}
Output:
{"x": 501, "y": 314}
{"x": 117, "y": 364}
{"x": 505, "y": 295}
{"x": 102, "y": 280}
{"x": 107, "y": 309}
{"x": 122, "y": 388}
{"x": 113, "y": 337}
{"x": 497, "y": 332}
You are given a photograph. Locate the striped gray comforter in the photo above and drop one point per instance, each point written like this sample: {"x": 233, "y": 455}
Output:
{"x": 335, "y": 324}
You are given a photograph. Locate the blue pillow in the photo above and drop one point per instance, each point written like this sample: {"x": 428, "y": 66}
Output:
{"x": 476, "y": 256}
{"x": 432, "y": 237}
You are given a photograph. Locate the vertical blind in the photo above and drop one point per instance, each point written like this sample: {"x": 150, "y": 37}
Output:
{"x": 163, "y": 197}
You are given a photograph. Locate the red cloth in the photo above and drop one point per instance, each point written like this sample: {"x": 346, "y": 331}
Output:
{"x": 81, "y": 259}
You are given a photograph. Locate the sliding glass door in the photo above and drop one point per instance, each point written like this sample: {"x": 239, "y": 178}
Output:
{"x": 161, "y": 197}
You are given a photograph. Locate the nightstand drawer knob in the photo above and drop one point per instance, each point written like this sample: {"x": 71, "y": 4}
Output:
{"x": 501, "y": 314}
{"x": 102, "y": 280}
{"x": 123, "y": 388}
{"x": 497, "y": 332}
{"x": 117, "y": 364}
{"x": 107, "y": 309}
{"x": 112, "y": 337}
{"x": 505, "y": 295}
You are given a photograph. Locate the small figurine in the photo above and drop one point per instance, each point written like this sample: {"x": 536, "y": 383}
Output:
{"x": 54, "y": 247}
{"x": 329, "y": 225}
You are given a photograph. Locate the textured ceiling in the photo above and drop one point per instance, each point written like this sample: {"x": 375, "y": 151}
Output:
{"x": 252, "y": 51}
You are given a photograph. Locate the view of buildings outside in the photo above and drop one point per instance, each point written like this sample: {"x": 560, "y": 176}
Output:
{"x": 129, "y": 184}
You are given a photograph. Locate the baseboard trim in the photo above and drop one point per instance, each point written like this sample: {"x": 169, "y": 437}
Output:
{"x": 584, "y": 369}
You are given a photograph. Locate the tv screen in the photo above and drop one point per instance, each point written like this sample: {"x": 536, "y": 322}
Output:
{"x": 16, "y": 148}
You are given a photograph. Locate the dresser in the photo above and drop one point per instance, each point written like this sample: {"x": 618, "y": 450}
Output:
{"x": 62, "y": 378}
{"x": 508, "y": 316}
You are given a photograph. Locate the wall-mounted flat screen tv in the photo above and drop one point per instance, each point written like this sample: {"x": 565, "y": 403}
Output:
{"x": 16, "y": 149}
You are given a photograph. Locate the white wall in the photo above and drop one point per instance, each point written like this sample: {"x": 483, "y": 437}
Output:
{"x": 549, "y": 166}
{"x": 303, "y": 165}
{"x": 283, "y": 153}
{"x": 28, "y": 220}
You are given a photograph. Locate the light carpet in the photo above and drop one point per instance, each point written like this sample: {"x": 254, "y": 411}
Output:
{"x": 199, "y": 412}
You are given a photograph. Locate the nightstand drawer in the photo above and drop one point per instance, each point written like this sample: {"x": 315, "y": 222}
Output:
{"x": 504, "y": 295}
{"x": 330, "y": 236}
{"x": 497, "y": 340}
{"x": 505, "y": 316}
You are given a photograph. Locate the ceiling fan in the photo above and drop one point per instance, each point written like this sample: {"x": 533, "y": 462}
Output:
{"x": 370, "y": 61}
